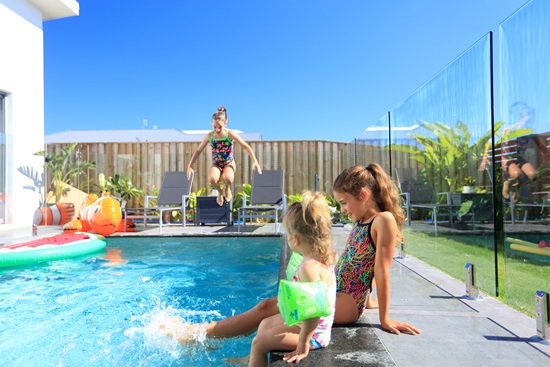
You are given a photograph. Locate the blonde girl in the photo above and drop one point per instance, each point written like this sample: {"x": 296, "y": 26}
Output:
{"x": 223, "y": 167}
{"x": 308, "y": 226}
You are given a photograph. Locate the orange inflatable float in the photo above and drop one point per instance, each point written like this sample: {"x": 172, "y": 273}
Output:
{"x": 105, "y": 215}
{"x": 102, "y": 215}
{"x": 77, "y": 225}
{"x": 59, "y": 213}
{"x": 130, "y": 226}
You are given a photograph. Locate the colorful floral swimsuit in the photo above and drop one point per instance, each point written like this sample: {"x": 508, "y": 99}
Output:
{"x": 355, "y": 268}
{"x": 222, "y": 151}
{"x": 322, "y": 334}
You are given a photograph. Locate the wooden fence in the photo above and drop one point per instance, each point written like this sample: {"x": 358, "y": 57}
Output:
{"x": 302, "y": 161}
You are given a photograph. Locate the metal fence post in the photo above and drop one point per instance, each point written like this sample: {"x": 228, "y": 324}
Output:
{"x": 542, "y": 313}
{"x": 472, "y": 292}
{"x": 402, "y": 250}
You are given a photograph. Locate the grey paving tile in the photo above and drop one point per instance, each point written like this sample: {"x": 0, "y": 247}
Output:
{"x": 350, "y": 346}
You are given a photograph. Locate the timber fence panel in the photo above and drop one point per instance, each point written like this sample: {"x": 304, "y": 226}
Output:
{"x": 145, "y": 163}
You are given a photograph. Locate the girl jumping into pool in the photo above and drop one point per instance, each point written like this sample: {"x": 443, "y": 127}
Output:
{"x": 370, "y": 199}
{"x": 308, "y": 227}
{"x": 223, "y": 164}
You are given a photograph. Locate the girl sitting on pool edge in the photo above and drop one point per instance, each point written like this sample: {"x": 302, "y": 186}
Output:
{"x": 223, "y": 163}
{"x": 371, "y": 200}
{"x": 308, "y": 226}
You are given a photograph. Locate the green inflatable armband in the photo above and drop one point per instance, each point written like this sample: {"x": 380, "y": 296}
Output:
{"x": 300, "y": 301}
{"x": 293, "y": 263}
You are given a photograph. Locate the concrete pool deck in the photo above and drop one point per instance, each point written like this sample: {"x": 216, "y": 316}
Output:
{"x": 455, "y": 331}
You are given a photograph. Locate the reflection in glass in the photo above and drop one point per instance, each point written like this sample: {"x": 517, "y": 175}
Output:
{"x": 523, "y": 154}
{"x": 440, "y": 135}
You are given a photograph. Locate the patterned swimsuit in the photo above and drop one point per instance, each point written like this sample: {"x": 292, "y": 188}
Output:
{"x": 222, "y": 151}
{"x": 355, "y": 268}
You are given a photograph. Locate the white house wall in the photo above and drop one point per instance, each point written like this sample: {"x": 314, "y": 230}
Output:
{"x": 22, "y": 80}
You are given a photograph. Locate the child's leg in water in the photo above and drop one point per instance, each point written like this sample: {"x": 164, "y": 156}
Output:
{"x": 240, "y": 324}
{"x": 184, "y": 332}
{"x": 243, "y": 323}
{"x": 243, "y": 361}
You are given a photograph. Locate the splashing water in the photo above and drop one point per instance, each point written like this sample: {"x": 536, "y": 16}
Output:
{"x": 87, "y": 312}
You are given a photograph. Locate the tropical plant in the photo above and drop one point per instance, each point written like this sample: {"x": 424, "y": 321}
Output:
{"x": 238, "y": 197}
{"x": 120, "y": 186}
{"x": 64, "y": 169}
{"x": 449, "y": 157}
{"x": 469, "y": 181}
{"x": 295, "y": 198}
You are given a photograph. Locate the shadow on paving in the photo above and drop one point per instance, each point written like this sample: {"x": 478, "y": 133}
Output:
{"x": 351, "y": 345}
{"x": 234, "y": 228}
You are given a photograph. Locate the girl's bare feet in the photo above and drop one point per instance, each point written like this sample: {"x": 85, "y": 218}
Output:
{"x": 184, "y": 332}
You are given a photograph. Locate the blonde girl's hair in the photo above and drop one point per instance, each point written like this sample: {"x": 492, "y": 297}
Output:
{"x": 383, "y": 189}
{"x": 311, "y": 220}
{"x": 221, "y": 113}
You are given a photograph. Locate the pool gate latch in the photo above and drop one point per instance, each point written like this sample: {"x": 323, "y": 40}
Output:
{"x": 472, "y": 293}
{"x": 542, "y": 316}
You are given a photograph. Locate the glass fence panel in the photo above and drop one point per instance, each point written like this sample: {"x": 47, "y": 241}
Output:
{"x": 523, "y": 158}
{"x": 348, "y": 154}
{"x": 440, "y": 137}
{"x": 372, "y": 145}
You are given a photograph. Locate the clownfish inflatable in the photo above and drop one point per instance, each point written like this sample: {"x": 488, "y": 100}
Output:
{"x": 100, "y": 214}
{"x": 56, "y": 214}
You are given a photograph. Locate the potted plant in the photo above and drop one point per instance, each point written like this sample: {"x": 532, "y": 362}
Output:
{"x": 468, "y": 185}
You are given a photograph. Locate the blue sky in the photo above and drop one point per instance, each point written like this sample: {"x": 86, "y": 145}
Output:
{"x": 289, "y": 69}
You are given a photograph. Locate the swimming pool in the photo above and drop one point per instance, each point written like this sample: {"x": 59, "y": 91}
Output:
{"x": 100, "y": 310}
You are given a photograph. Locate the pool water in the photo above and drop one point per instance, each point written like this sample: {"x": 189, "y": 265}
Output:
{"x": 101, "y": 310}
